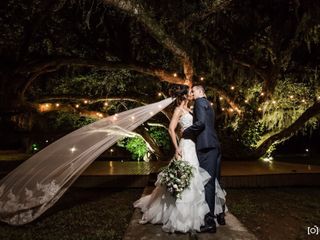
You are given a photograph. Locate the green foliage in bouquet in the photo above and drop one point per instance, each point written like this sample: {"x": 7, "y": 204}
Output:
{"x": 176, "y": 177}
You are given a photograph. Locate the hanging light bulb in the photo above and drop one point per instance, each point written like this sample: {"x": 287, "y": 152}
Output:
{"x": 232, "y": 87}
{"x": 85, "y": 101}
{"x": 262, "y": 94}
{"x": 175, "y": 75}
{"x": 202, "y": 78}
{"x": 77, "y": 105}
{"x": 57, "y": 104}
{"x": 159, "y": 94}
{"x": 106, "y": 103}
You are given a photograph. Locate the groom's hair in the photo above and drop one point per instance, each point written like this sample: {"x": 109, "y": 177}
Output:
{"x": 200, "y": 87}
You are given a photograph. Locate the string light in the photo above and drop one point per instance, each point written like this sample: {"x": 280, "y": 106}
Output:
{"x": 211, "y": 104}
{"x": 151, "y": 113}
{"x": 303, "y": 101}
{"x": 259, "y": 109}
{"x": 246, "y": 101}
{"x": 73, "y": 149}
{"x": 77, "y": 106}
{"x": 132, "y": 118}
{"x": 231, "y": 110}
{"x": 291, "y": 96}
{"x": 274, "y": 102}
{"x": 202, "y": 78}
{"x": 57, "y": 104}
{"x": 175, "y": 75}
{"x": 111, "y": 150}
{"x": 159, "y": 106}
{"x": 222, "y": 109}
{"x": 85, "y": 101}
{"x": 232, "y": 87}
{"x": 262, "y": 94}
{"x": 47, "y": 105}
{"x": 220, "y": 98}
{"x": 159, "y": 94}
{"x": 106, "y": 103}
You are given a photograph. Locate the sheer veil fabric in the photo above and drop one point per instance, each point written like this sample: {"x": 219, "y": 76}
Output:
{"x": 36, "y": 184}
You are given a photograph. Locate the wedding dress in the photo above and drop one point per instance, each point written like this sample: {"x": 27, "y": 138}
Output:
{"x": 187, "y": 213}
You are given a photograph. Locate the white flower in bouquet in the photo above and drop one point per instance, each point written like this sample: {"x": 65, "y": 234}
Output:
{"x": 176, "y": 177}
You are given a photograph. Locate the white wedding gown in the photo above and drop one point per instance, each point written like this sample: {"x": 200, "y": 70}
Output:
{"x": 187, "y": 213}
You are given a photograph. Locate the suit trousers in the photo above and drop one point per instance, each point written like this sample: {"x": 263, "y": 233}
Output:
{"x": 210, "y": 160}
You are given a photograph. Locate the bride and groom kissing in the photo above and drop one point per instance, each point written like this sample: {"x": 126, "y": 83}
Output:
{"x": 202, "y": 204}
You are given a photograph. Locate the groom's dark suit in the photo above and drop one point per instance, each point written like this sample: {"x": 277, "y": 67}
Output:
{"x": 207, "y": 146}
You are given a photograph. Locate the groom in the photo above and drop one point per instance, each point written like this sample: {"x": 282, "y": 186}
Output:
{"x": 208, "y": 151}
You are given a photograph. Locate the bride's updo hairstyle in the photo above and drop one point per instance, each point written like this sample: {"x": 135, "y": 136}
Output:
{"x": 180, "y": 92}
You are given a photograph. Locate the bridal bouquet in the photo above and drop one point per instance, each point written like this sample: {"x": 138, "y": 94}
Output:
{"x": 176, "y": 177}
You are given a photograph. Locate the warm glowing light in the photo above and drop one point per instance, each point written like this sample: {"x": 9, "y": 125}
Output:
{"x": 73, "y": 149}
{"x": 231, "y": 110}
{"x": 57, "y": 104}
{"x": 175, "y": 75}
{"x": 106, "y": 103}
{"x": 303, "y": 101}
{"x": 100, "y": 115}
{"x": 151, "y": 113}
{"x": 111, "y": 150}
{"x": 159, "y": 106}
{"x": 211, "y": 104}
{"x": 85, "y": 101}
{"x": 246, "y": 101}
{"x": 47, "y": 141}
{"x": 97, "y": 114}
{"x": 267, "y": 159}
{"x": 202, "y": 78}
{"x": 262, "y": 94}
{"x": 274, "y": 102}
{"x": 159, "y": 94}
{"x": 77, "y": 106}
{"x": 47, "y": 105}
{"x": 291, "y": 96}
{"x": 318, "y": 97}
{"x": 222, "y": 109}
{"x": 307, "y": 150}
{"x": 259, "y": 109}
{"x": 232, "y": 87}
{"x": 220, "y": 98}
{"x": 132, "y": 117}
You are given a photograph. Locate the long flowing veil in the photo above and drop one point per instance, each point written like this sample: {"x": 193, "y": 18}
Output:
{"x": 36, "y": 184}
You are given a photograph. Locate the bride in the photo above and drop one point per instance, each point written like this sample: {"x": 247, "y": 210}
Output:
{"x": 187, "y": 213}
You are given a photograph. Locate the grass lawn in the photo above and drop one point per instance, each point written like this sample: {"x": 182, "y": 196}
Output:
{"x": 277, "y": 213}
{"x": 80, "y": 214}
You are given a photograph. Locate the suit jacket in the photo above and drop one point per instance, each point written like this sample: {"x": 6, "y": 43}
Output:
{"x": 203, "y": 128}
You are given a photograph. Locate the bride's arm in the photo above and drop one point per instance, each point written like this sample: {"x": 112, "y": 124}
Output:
{"x": 172, "y": 127}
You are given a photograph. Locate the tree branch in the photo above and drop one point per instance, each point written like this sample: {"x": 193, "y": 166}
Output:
{"x": 287, "y": 132}
{"x": 91, "y": 101}
{"x": 157, "y": 31}
{"x": 38, "y": 69}
{"x": 196, "y": 17}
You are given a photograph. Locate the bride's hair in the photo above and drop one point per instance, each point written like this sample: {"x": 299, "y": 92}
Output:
{"x": 179, "y": 92}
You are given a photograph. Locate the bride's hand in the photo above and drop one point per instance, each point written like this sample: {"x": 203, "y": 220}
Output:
{"x": 178, "y": 153}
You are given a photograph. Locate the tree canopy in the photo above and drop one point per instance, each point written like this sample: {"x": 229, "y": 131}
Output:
{"x": 259, "y": 60}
